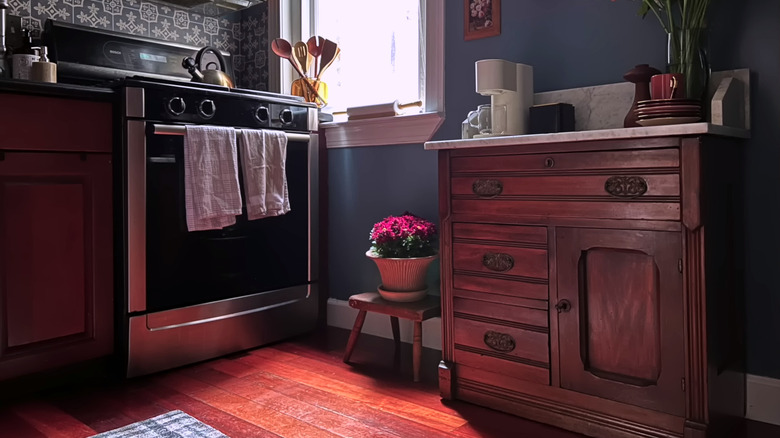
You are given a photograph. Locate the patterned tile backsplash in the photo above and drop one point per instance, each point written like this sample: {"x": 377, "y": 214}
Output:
{"x": 243, "y": 34}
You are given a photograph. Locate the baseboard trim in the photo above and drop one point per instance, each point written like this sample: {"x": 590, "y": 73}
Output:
{"x": 763, "y": 393}
{"x": 342, "y": 316}
{"x": 763, "y": 399}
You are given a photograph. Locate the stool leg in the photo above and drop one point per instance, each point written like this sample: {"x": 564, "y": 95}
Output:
{"x": 397, "y": 339}
{"x": 396, "y": 329}
{"x": 417, "y": 349}
{"x": 361, "y": 318}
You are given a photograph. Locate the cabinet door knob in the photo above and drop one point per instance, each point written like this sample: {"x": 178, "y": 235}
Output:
{"x": 549, "y": 162}
{"x": 499, "y": 341}
{"x": 563, "y": 306}
{"x": 498, "y": 261}
{"x": 487, "y": 188}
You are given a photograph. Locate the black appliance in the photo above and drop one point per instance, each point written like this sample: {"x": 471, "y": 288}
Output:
{"x": 190, "y": 296}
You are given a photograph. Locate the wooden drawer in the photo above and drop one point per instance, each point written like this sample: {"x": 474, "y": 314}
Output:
{"x": 42, "y": 123}
{"x": 534, "y": 289}
{"x": 667, "y": 158}
{"x": 516, "y": 251}
{"x": 637, "y": 186}
{"x": 475, "y": 307}
{"x": 503, "y": 233}
{"x": 500, "y": 259}
{"x": 503, "y": 349}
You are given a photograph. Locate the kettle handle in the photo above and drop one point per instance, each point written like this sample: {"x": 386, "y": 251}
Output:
{"x": 219, "y": 56}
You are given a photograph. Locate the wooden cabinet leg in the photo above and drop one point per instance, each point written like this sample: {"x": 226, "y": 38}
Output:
{"x": 361, "y": 318}
{"x": 396, "y": 329}
{"x": 417, "y": 349}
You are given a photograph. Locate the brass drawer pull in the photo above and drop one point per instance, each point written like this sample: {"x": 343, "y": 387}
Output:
{"x": 498, "y": 261}
{"x": 487, "y": 188}
{"x": 626, "y": 186}
{"x": 499, "y": 341}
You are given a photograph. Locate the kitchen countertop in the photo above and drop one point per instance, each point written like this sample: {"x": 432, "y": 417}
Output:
{"x": 92, "y": 93}
{"x": 599, "y": 134}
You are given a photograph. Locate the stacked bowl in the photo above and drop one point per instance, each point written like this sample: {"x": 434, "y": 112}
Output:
{"x": 668, "y": 111}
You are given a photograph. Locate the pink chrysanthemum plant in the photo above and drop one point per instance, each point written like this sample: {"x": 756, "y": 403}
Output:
{"x": 404, "y": 236}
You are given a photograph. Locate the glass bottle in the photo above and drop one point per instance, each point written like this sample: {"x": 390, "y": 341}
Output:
{"x": 23, "y": 57}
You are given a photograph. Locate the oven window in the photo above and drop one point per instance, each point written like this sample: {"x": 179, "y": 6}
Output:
{"x": 185, "y": 268}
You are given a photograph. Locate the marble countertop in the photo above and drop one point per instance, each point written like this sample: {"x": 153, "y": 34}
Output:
{"x": 598, "y": 134}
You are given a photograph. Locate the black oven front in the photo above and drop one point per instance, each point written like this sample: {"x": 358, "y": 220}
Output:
{"x": 191, "y": 296}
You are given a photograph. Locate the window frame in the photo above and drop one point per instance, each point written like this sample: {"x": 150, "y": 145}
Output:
{"x": 296, "y": 15}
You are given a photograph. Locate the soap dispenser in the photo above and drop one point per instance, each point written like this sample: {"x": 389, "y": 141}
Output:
{"x": 23, "y": 57}
{"x": 43, "y": 70}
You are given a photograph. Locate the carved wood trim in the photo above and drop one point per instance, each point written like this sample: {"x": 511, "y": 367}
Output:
{"x": 487, "y": 188}
{"x": 695, "y": 304}
{"x": 626, "y": 186}
{"x": 498, "y": 261}
{"x": 499, "y": 341}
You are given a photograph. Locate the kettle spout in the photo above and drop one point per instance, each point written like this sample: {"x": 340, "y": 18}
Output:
{"x": 189, "y": 64}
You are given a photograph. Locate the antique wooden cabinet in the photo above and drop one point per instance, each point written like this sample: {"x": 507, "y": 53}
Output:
{"x": 56, "y": 240}
{"x": 594, "y": 284}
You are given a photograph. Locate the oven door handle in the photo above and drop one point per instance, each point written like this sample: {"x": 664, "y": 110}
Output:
{"x": 160, "y": 129}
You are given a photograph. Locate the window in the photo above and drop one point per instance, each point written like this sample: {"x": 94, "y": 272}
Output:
{"x": 395, "y": 51}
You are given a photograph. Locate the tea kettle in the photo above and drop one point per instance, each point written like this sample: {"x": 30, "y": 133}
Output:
{"x": 207, "y": 76}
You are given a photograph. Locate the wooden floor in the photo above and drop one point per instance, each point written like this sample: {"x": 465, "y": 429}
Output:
{"x": 298, "y": 388}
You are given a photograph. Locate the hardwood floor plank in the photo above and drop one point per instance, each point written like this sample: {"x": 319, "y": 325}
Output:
{"x": 51, "y": 421}
{"x": 397, "y": 406}
{"x": 244, "y": 408}
{"x": 13, "y": 426}
{"x": 360, "y": 411}
{"x": 353, "y": 418}
{"x": 226, "y": 423}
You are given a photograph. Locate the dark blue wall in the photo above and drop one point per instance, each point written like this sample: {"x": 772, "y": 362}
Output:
{"x": 576, "y": 43}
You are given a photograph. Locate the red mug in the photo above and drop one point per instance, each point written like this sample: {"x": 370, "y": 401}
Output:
{"x": 667, "y": 86}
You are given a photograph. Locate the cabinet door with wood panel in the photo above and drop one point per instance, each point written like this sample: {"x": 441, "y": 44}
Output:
{"x": 620, "y": 316}
{"x": 56, "y": 287}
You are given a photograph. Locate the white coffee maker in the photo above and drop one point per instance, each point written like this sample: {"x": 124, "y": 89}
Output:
{"x": 510, "y": 84}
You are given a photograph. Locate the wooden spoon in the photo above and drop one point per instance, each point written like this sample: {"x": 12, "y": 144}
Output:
{"x": 283, "y": 49}
{"x": 315, "y": 50}
{"x": 330, "y": 52}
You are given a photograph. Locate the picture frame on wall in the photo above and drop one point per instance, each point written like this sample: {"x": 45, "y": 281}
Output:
{"x": 481, "y": 19}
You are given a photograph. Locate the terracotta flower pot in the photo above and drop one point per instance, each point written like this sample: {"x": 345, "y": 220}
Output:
{"x": 402, "y": 275}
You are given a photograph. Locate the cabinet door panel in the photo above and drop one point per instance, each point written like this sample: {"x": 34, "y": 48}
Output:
{"x": 56, "y": 261}
{"x": 623, "y": 337}
{"x": 44, "y": 225}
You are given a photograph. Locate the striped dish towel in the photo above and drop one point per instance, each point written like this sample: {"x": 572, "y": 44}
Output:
{"x": 212, "y": 196}
{"x": 263, "y": 161}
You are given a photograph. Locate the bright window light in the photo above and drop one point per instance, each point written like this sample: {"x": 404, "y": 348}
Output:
{"x": 381, "y": 60}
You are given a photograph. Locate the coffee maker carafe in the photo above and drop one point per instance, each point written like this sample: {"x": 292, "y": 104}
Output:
{"x": 508, "y": 84}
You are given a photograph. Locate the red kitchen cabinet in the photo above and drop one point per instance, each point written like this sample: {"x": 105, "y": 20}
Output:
{"x": 56, "y": 244}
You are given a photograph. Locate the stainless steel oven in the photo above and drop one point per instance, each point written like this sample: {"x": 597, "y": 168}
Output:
{"x": 197, "y": 295}
{"x": 187, "y": 296}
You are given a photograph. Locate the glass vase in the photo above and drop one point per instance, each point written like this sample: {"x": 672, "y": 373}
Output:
{"x": 686, "y": 54}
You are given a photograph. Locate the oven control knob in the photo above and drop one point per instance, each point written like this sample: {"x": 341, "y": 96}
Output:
{"x": 176, "y": 106}
{"x": 262, "y": 114}
{"x": 207, "y": 108}
{"x": 286, "y": 116}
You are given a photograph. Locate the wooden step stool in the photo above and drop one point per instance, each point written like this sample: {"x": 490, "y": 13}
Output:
{"x": 417, "y": 312}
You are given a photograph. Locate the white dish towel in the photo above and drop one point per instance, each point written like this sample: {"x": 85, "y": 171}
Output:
{"x": 263, "y": 160}
{"x": 212, "y": 195}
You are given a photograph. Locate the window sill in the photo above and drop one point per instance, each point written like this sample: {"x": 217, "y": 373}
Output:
{"x": 382, "y": 131}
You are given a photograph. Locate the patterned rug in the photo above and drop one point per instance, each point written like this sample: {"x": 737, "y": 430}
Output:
{"x": 174, "y": 424}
